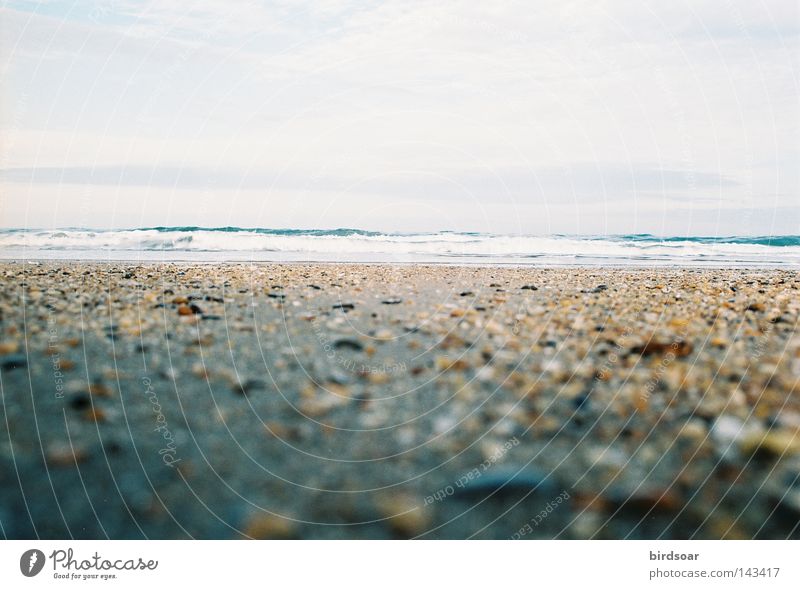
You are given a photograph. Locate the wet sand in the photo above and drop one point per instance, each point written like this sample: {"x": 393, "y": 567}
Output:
{"x": 375, "y": 401}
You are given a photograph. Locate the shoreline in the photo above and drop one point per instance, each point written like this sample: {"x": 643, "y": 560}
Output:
{"x": 649, "y": 265}
{"x": 347, "y": 400}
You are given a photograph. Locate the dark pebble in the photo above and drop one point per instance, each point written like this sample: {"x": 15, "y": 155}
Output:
{"x": 678, "y": 348}
{"x": 11, "y": 361}
{"x": 345, "y": 306}
{"x": 339, "y": 377}
{"x": 212, "y": 317}
{"x": 195, "y": 309}
{"x": 362, "y": 400}
{"x": 246, "y": 387}
{"x": 530, "y": 287}
{"x": 645, "y": 502}
{"x": 392, "y": 301}
{"x": 581, "y": 401}
{"x": 348, "y": 344}
{"x": 505, "y": 482}
{"x": 113, "y": 448}
{"x": 467, "y": 293}
{"x": 80, "y": 401}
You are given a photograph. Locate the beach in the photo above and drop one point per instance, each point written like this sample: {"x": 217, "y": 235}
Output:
{"x": 310, "y": 400}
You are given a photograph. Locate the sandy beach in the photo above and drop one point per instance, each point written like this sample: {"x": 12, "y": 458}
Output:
{"x": 398, "y": 401}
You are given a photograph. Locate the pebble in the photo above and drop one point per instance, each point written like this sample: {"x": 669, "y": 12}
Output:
{"x": 8, "y": 348}
{"x": 678, "y": 348}
{"x": 377, "y": 377}
{"x": 504, "y": 481}
{"x": 610, "y": 456}
{"x": 772, "y": 444}
{"x": 80, "y": 401}
{"x": 587, "y": 524}
{"x": 339, "y": 377}
{"x": 694, "y": 429}
{"x": 266, "y": 526}
{"x": 728, "y": 431}
{"x": 445, "y": 363}
{"x": 405, "y": 515}
{"x": 248, "y": 386}
{"x": 11, "y": 361}
{"x": 94, "y": 414}
{"x": 646, "y": 500}
{"x": 64, "y": 455}
{"x": 98, "y": 389}
{"x": 384, "y": 335}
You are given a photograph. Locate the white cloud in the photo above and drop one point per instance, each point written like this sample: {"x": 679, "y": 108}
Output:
{"x": 355, "y": 94}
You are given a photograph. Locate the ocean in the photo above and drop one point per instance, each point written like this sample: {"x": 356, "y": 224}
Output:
{"x": 217, "y": 244}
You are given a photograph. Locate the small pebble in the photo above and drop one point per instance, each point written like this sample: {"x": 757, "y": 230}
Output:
{"x": 11, "y": 361}
{"x": 405, "y": 515}
{"x": 266, "y": 526}
{"x": 64, "y": 455}
{"x": 348, "y": 344}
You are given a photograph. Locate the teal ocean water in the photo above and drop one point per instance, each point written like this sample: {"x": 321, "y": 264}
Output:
{"x": 259, "y": 244}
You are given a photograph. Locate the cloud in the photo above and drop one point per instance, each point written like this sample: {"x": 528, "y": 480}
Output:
{"x": 578, "y": 102}
{"x": 580, "y": 179}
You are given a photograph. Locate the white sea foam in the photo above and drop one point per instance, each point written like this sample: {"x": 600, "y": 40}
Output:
{"x": 342, "y": 244}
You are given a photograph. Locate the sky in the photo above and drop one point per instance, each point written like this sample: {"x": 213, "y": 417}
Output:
{"x": 671, "y": 118}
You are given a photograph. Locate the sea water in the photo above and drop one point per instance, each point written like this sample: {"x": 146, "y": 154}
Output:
{"x": 353, "y": 245}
